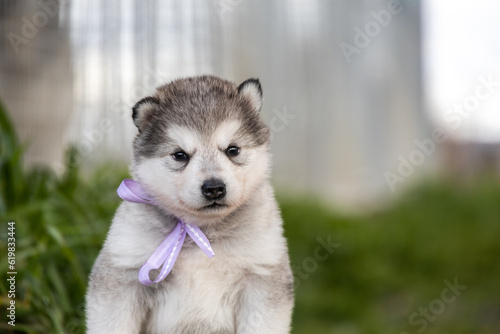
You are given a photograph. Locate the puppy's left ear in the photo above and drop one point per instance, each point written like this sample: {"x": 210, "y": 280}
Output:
{"x": 252, "y": 91}
{"x": 141, "y": 110}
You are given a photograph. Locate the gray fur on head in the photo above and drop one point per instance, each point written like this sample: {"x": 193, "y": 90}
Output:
{"x": 201, "y": 103}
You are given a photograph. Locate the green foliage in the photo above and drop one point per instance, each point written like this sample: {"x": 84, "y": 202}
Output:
{"x": 60, "y": 222}
{"x": 382, "y": 268}
{"x": 394, "y": 263}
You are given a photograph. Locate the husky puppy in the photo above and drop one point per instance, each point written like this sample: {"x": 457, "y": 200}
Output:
{"x": 202, "y": 155}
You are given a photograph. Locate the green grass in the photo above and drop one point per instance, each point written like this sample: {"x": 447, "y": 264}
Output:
{"x": 60, "y": 225}
{"x": 386, "y": 266}
{"x": 389, "y": 265}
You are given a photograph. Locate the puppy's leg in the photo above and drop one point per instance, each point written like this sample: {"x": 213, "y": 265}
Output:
{"x": 115, "y": 304}
{"x": 266, "y": 306}
{"x": 261, "y": 316}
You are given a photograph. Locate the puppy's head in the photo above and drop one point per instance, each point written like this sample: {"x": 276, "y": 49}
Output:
{"x": 202, "y": 148}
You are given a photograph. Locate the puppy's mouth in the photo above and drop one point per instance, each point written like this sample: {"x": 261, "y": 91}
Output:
{"x": 214, "y": 206}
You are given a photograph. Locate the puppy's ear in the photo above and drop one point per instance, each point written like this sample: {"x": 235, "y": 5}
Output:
{"x": 252, "y": 91}
{"x": 141, "y": 110}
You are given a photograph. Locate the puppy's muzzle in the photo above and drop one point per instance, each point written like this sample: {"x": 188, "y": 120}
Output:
{"x": 213, "y": 189}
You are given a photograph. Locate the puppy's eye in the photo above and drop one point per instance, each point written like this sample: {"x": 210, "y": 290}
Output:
{"x": 180, "y": 156}
{"x": 233, "y": 151}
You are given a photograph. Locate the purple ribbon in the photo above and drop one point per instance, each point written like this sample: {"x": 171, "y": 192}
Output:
{"x": 169, "y": 249}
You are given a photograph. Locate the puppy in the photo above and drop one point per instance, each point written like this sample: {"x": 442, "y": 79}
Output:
{"x": 200, "y": 163}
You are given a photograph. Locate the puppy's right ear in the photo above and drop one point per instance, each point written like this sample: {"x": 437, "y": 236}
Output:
{"x": 142, "y": 109}
{"x": 252, "y": 91}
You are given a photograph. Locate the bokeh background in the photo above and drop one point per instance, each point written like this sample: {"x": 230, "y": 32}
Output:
{"x": 385, "y": 118}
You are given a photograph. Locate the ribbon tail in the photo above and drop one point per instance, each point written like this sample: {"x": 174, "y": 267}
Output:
{"x": 170, "y": 261}
{"x": 161, "y": 254}
{"x": 200, "y": 239}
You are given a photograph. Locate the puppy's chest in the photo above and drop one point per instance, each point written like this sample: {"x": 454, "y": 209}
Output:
{"x": 200, "y": 296}
{"x": 195, "y": 273}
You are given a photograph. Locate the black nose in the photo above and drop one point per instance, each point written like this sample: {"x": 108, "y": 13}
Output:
{"x": 213, "y": 189}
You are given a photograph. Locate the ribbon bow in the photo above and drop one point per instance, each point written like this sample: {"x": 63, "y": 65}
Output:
{"x": 169, "y": 249}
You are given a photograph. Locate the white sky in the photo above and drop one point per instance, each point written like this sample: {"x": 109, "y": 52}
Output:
{"x": 461, "y": 41}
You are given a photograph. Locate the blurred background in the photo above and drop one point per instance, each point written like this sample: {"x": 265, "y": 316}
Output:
{"x": 385, "y": 118}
